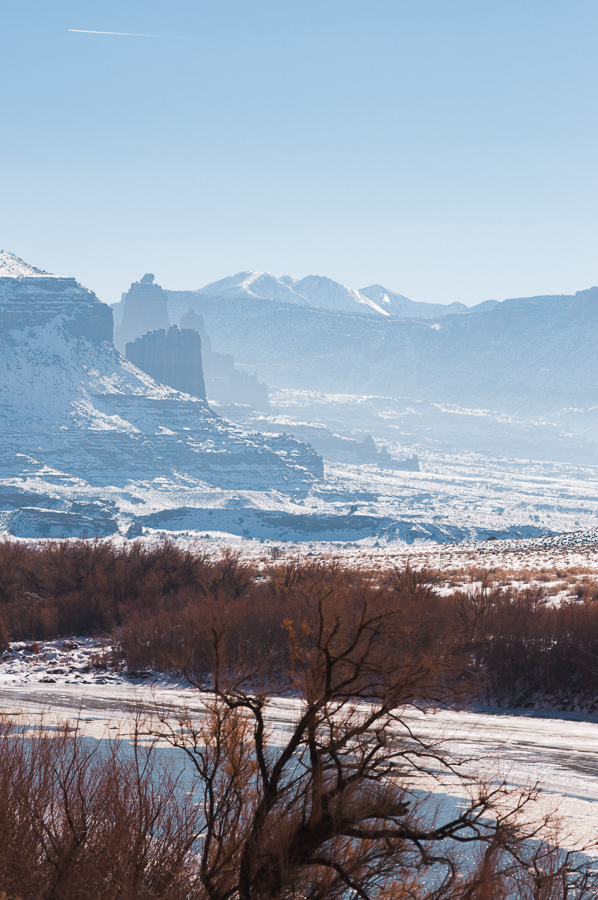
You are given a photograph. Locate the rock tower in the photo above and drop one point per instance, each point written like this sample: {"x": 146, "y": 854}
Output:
{"x": 171, "y": 357}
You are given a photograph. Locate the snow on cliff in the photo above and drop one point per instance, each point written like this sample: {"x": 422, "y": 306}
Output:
{"x": 12, "y": 266}
{"x": 82, "y": 427}
{"x": 82, "y": 408}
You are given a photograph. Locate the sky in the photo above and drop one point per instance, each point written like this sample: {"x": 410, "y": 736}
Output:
{"x": 445, "y": 149}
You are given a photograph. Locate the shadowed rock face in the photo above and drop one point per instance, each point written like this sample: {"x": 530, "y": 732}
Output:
{"x": 78, "y": 410}
{"x": 145, "y": 309}
{"x": 36, "y": 300}
{"x": 171, "y": 357}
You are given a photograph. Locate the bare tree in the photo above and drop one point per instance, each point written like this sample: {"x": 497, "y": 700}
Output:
{"x": 338, "y": 801}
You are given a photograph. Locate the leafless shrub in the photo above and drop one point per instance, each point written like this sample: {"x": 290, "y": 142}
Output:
{"x": 163, "y": 606}
{"x": 79, "y": 820}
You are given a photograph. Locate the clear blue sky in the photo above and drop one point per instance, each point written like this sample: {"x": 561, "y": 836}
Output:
{"x": 444, "y": 148}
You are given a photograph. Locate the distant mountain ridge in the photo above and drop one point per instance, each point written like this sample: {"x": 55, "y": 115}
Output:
{"x": 321, "y": 292}
{"x": 397, "y": 305}
{"x": 324, "y": 293}
{"x": 527, "y": 356}
{"x": 258, "y": 285}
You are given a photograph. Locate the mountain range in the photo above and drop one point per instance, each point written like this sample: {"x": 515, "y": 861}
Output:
{"x": 527, "y": 356}
{"x": 320, "y": 292}
{"x": 92, "y": 445}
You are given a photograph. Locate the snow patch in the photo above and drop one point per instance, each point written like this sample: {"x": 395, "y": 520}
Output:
{"x": 12, "y": 266}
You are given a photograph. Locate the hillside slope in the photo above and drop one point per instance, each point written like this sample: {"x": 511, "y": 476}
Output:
{"x": 398, "y": 305}
{"x": 84, "y": 409}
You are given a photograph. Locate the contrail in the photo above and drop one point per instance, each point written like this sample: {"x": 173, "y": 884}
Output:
{"x": 119, "y": 33}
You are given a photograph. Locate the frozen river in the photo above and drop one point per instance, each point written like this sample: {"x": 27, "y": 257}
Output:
{"x": 560, "y": 752}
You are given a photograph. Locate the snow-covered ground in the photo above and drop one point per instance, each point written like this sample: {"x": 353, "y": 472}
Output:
{"x": 454, "y": 498}
{"x": 76, "y": 660}
{"x": 481, "y": 474}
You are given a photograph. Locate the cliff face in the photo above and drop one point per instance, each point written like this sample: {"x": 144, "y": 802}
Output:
{"x": 171, "y": 357}
{"x": 145, "y": 309}
{"x": 91, "y": 444}
{"x": 29, "y": 297}
{"x": 224, "y": 383}
{"x": 71, "y": 400}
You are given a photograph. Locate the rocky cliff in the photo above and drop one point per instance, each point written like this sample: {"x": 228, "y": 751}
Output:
{"x": 171, "y": 357}
{"x": 30, "y": 297}
{"x": 145, "y": 308}
{"x": 89, "y": 441}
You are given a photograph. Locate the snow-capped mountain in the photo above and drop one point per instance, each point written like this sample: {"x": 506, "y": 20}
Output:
{"x": 316, "y": 291}
{"x": 324, "y": 293}
{"x": 259, "y": 285}
{"x": 321, "y": 292}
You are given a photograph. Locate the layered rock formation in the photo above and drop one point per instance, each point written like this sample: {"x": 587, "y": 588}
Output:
{"x": 30, "y": 297}
{"x": 77, "y": 407}
{"x": 82, "y": 427}
{"x": 144, "y": 308}
{"x": 224, "y": 383}
{"x": 171, "y": 357}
